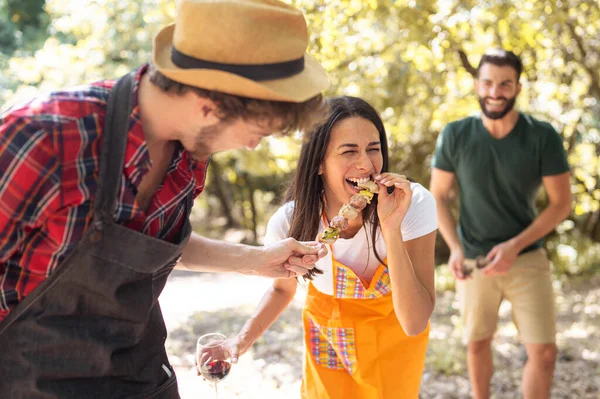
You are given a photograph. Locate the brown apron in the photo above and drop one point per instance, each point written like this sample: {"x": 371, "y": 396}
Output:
{"x": 94, "y": 328}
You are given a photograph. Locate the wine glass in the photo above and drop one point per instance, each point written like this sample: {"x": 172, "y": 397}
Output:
{"x": 213, "y": 358}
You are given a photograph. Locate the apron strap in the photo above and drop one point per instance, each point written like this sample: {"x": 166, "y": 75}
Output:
{"x": 114, "y": 139}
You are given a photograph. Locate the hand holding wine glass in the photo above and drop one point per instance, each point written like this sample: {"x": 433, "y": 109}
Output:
{"x": 213, "y": 358}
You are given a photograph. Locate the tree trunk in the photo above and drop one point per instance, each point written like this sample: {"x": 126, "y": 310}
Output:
{"x": 250, "y": 198}
{"x": 220, "y": 191}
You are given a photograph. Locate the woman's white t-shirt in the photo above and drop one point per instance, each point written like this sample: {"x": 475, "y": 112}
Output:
{"x": 356, "y": 252}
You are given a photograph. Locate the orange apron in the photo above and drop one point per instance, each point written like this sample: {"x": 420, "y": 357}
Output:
{"x": 354, "y": 344}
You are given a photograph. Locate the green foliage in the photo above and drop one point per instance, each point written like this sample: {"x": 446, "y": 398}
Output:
{"x": 8, "y": 42}
{"x": 23, "y": 25}
{"x": 573, "y": 253}
{"x": 90, "y": 40}
{"x": 412, "y": 59}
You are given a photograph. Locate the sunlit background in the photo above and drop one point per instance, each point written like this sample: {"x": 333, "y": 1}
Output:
{"x": 413, "y": 60}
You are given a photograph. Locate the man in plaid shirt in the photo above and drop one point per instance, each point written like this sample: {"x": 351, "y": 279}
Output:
{"x": 86, "y": 245}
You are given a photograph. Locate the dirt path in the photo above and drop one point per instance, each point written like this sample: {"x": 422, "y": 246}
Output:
{"x": 194, "y": 304}
{"x": 222, "y": 303}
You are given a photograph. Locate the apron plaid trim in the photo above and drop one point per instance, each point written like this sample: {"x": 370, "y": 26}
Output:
{"x": 349, "y": 285}
{"x": 332, "y": 347}
{"x": 383, "y": 286}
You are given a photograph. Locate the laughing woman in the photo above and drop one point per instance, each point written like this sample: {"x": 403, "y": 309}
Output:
{"x": 366, "y": 318}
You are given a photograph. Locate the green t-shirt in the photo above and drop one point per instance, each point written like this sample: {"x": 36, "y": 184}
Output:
{"x": 498, "y": 179}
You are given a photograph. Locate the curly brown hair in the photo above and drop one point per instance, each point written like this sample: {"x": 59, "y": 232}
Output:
{"x": 303, "y": 116}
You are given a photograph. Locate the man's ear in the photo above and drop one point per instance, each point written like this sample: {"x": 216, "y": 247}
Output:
{"x": 208, "y": 110}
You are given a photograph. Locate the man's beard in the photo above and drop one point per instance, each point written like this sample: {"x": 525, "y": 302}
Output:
{"x": 510, "y": 103}
{"x": 205, "y": 139}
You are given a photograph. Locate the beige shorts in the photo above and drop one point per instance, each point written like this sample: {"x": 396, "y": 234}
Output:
{"x": 527, "y": 286}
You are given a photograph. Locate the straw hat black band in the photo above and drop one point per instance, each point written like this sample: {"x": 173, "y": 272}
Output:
{"x": 240, "y": 47}
{"x": 256, "y": 72}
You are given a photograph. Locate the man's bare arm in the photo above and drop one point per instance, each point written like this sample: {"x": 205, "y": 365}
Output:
{"x": 440, "y": 186}
{"x": 558, "y": 189}
{"x": 284, "y": 259}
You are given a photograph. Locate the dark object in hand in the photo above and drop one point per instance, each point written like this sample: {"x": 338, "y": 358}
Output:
{"x": 480, "y": 263}
{"x": 312, "y": 273}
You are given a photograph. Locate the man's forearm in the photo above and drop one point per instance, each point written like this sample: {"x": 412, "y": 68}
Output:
{"x": 447, "y": 225}
{"x": 543, "y": 224}
{"x": 205, "y": 255}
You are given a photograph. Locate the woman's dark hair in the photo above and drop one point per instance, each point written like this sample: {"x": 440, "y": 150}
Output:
{"x": 306, "y": 189}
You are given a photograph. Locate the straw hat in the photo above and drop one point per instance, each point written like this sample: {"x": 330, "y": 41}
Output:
{"x": 250, "y": 48}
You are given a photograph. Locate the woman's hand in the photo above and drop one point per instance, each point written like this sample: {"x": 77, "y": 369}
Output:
{"x": 237, "y": 346}
{"x": 250, "y": 332}
{"x": 392, "y": 208}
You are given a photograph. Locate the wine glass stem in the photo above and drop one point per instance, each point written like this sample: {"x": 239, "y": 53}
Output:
{"x": 216, "y": 391}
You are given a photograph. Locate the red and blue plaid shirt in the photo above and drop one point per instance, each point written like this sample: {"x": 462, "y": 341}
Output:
{"x": 49, "y": 165}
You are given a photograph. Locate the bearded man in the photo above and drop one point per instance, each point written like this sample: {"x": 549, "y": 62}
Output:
{"x": 500, "y": 158}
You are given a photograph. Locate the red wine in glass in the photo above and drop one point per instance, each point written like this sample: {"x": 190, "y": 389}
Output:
{"x": 213, "y": 358}
{"x": 215, "y": 370}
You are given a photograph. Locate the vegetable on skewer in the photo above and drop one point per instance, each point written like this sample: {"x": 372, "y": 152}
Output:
{"x": 358, "y": 202}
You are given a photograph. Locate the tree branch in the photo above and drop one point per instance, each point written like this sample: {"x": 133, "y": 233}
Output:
{"x": 466, "y": 64}
{"x": 220, "y": 191}
{"x": 573, "y": 138}
{"x": 498, "y": 37}
{"x": 593, "y": 74}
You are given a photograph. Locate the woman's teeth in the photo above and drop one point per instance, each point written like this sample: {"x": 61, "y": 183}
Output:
{"x": 358, "y": 180}
{"x": 353, "y": 182}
